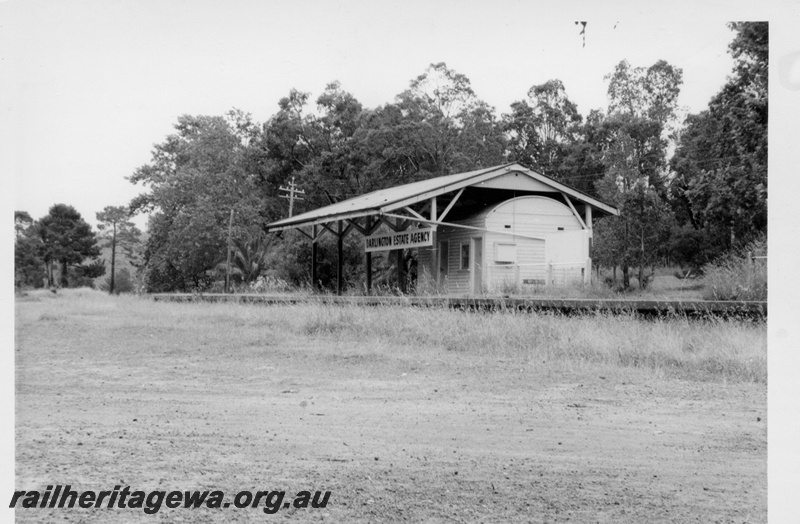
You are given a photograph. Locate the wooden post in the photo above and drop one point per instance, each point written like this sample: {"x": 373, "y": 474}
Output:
{"x": 314, "y": 257}
{"x": 434, "y": 276}
{"x": 401, "y": 271}
{"x": 399, "y": 261}
{"x": 339, "y": 258}
{"x": 368, "y": 259}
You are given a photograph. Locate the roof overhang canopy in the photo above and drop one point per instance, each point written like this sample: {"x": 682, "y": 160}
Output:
{"x": 511, "y": 177}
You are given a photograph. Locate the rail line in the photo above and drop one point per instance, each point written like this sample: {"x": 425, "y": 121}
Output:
{"x": 572, "y": 306}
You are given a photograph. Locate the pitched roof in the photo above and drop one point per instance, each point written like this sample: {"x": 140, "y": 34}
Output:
{"x": 393, "y": 198}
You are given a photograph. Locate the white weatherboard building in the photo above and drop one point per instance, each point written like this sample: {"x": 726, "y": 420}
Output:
{"x": 483, "y": 231}
{"x": 526, "y": 240}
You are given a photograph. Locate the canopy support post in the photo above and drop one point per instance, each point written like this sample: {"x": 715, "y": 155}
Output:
{"x": 401, "y": 266}
{"x": 368, "y": 260}
{"x": 314, "y": 257}
{"x": 339, "y": 258}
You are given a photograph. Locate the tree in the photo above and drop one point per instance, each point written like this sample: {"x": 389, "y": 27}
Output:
{"x": 28, "y": 262}
{"x": 66, "y": 239}
{"x": 642, "y": 105}
{"x": 22, "y": 221}
{"x": 542, "y": 128}
{"x": 633, "y": 159}
{"x": 445, "y": 128}
{"x": 720, "y": 166}
{"x": 195, "y": 178}
{"x": 117, "y": 229}
{"x": 646, "y": 93}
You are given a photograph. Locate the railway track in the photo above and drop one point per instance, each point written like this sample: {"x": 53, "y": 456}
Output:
{"x": 646, "y": 308}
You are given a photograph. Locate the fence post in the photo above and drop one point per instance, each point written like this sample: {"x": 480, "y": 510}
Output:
{"x": 549, "y": 273}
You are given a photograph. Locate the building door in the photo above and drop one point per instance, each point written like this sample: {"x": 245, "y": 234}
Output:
{"x": 444, "y": 260}
{"x": 477, "y": 265}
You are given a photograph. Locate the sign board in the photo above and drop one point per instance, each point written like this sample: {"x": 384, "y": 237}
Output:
{"x": 401, "y": 240}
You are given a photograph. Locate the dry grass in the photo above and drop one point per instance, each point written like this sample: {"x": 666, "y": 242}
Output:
{"x": 718, "y": 350}
{"x": 737, "y": 276}
{"x": 715, "y": 350}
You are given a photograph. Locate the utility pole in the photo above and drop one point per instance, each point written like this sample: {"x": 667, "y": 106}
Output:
{"x": 292, "y": 190}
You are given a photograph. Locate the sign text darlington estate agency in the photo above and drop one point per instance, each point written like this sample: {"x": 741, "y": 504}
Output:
{"x": 401, "y": 240}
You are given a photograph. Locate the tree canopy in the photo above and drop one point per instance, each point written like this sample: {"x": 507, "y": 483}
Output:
{"x": 194, "y": 180}
{"x": 332, "y": 147}
{"x": 66, "y": 239}
{"x": 719, "y": 188}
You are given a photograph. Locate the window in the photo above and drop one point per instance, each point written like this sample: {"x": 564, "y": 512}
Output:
{"x": 465, "y": 255}
{"x": 505, "y": 253}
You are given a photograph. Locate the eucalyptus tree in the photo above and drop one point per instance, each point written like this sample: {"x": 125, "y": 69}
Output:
{"x": 445, "y": 127}
{"x": 633, "y": 140}
{"x": 542, "y": 128}
{"x": 194, "y": 180}
{"x": 719, "y": 184}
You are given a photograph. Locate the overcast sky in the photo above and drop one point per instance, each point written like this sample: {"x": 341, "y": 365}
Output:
{"x": 96, "y": 83}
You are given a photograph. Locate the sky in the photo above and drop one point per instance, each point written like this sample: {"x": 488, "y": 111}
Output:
{"x": 95, "y": 84}
{"x": 87, "y": 87}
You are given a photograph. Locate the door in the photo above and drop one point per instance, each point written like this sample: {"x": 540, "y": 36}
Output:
{"x": 444, "y": 259}
{"x": 477, "y": 265}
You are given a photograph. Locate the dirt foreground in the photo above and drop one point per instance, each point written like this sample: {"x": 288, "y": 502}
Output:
{"x": 156, "y": 396}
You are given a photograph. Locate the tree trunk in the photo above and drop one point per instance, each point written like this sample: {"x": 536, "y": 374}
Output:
{"x": 113, "y": 259}
{"x": 63, "y": 277}
{"x": 48, "y": 266}
{"x": 642, "y": 284}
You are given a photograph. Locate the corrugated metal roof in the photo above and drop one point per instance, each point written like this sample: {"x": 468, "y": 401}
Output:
{"x": 389, "y": 199}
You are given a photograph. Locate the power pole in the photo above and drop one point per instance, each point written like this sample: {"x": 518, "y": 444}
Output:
{"x": 292, "y": 190}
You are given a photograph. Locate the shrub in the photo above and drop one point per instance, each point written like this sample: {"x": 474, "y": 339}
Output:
{"x": 737, "y": 275}
{"x": 122, "y": 282}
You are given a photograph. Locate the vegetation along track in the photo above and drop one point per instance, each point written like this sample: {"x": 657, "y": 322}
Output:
{"x": 754, "y": 310}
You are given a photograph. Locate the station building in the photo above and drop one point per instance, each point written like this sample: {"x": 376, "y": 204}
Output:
{"x": 485, "y": 231}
